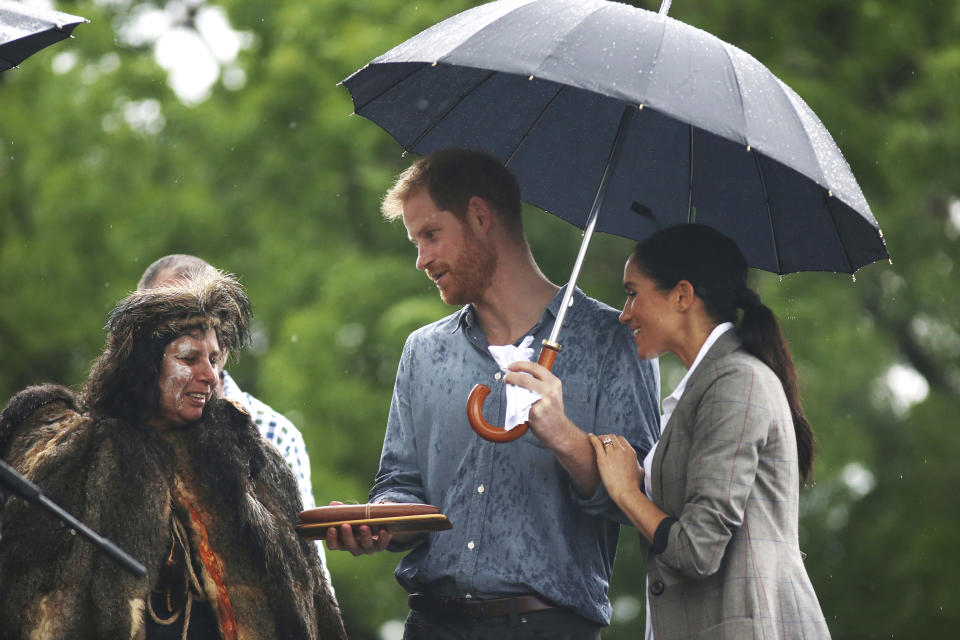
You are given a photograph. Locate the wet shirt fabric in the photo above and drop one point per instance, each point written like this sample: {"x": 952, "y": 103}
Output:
{"x": 519, "y": 525}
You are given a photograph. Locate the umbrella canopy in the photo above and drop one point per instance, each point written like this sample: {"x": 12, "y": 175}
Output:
{"x": 677, "y": 125}
{"x": 623, "y": 120}
{"x": 25, "y": 29}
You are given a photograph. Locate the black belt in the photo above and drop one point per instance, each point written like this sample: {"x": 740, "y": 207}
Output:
{"x": 475, "y": 609}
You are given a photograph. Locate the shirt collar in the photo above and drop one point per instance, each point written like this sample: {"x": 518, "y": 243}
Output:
{"x": 467, "y": 317}
{"x": 670, "y": 402}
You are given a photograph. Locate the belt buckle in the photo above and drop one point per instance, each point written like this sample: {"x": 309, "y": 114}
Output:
{"x": 481, "y": 610}
{"x": 454, "y": 607}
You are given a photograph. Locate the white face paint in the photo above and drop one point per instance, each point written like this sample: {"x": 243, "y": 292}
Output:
{"x": 188, "y": 377}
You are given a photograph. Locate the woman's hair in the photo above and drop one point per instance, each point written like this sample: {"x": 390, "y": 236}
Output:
{"x": 714, "y": 265}
{"x": 124, "y": 381}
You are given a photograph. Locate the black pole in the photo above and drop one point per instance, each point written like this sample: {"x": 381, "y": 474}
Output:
{"x": 13, "y": 483}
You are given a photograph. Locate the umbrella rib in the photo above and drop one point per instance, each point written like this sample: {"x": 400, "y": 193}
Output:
{"x": 613, "y": 160}
{"x": 826, "y": 203}
{"x": 690, "y": 174}
{"x": 453, "y": 106}
{"x": 824, "y": 185}
{"x": 416, "y": 69}
{"x": 736, "y": 78}
{"x": 526, "y": 133}
{"x": 806, "y": 135}
{"x": 766, "y": 202}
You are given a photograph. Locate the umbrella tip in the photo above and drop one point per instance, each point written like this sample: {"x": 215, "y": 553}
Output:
{"x": 531, "y": 77}
{"x": 640, "y": 108}
{"x": 830, "y": 192}
{"x": 748, "y": 147}
{"x": 339, "y": 84}
{"x": 434, "y": 63}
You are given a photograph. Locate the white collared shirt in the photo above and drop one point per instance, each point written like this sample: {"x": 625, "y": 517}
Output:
{"x": 670, "y": 402}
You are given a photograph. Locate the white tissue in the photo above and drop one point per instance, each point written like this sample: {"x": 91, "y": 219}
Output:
{"x": 519, "y": 400}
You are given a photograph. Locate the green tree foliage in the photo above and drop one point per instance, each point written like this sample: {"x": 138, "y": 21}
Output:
{"x": 103, "y": 169}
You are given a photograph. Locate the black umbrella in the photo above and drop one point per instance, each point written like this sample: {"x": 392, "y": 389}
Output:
{"x": 25, "y": 29}
{"x": 623, "y": 120}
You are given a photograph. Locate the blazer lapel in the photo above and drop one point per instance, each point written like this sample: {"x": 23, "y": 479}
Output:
{"x": 724, "y": 345}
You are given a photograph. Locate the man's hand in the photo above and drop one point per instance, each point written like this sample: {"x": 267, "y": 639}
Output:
{"x": 547, "y": 418}
{"x": 363, "y": 542}
{"x": 550, "y": 424}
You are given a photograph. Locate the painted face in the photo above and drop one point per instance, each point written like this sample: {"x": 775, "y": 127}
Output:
{"x": 188, "y": 377}
{"x": 169, "y": 276}
{"x": 646, "y": 312}
{"x": 448, "y": 251}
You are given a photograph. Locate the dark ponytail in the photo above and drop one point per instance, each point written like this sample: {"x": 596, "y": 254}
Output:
{"x": 761, "y": 336}
{"x": 716, "y": 268}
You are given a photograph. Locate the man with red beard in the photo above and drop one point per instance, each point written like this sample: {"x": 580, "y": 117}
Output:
{"x": 535, "y": 534}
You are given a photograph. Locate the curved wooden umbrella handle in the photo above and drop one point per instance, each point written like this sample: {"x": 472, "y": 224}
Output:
{"x": 479, "y": 393}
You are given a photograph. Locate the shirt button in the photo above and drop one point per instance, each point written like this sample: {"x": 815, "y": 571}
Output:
{"x": 470, "y": 545}
{"x": 497, "y": 375}
{"x": 480, "y": 489}
{"x": 656, "y": 587}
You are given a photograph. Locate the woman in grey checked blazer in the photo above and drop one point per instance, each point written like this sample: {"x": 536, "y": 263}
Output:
{"x": 723, "y": 557}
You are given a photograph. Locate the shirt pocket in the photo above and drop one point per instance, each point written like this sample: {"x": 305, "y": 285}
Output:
{"x": 577, "y": 404}
{"x": 576, "y": 392}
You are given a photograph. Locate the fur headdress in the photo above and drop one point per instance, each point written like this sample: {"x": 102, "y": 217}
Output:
{"x": 123, "y": 381}
{"x": 206, "y": 298}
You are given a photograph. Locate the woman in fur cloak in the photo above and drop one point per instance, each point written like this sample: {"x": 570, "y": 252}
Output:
{"x": 150, "y": 458}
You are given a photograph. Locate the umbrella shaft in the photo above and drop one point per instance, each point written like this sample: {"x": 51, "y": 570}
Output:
{"x": 575, "y": 274}
{"x": 592, "y": 220}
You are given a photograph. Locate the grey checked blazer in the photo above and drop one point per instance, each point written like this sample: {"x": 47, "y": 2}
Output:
{"x": 726, "y": 468}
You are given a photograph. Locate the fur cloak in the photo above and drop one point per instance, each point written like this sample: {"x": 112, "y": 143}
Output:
{"x": 127, "y": 482}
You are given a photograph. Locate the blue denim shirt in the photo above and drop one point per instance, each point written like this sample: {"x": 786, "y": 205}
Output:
{"x": 519, "y": 525}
